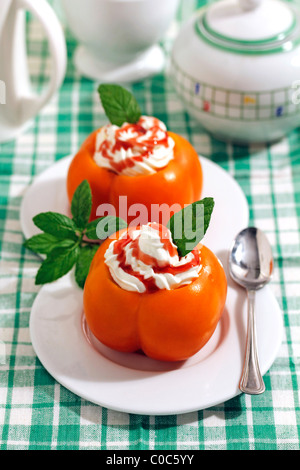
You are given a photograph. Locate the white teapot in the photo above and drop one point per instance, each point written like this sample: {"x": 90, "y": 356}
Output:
{"x": 236, "y": 66}
{"x": 18, "y": 103}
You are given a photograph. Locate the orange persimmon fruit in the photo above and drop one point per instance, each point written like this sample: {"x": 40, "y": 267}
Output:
{"x": 167, "y": 325}
{"x": 180, "y": 182}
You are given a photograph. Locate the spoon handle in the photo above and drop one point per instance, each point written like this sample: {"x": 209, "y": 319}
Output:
{"x": 251, "y": 381}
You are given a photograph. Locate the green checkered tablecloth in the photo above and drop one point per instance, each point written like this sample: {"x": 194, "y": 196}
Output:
{"x": 36, "y": 412}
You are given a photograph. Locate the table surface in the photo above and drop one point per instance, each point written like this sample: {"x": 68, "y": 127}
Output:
{"x": 38, "y": 413}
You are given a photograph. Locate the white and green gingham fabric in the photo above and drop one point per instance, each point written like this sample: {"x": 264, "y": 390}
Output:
{"x": 36, "y": 412}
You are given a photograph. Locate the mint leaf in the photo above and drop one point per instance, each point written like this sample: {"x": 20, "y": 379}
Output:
{"x": 91, "y": 230}
{"x": 44, "y": 243}
{"x": 63, "y": 240}
{"x": 81, "y": 205}
{"x": 189, "y": 226}
{"x": 102, "y": 228}
{"x": 83, "y": 264}
{"x": 58, "y": 225}
{"x": 57, "y": 264}
{"x": 120, "y": 105}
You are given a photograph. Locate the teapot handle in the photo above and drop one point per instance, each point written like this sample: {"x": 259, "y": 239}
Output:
{"x": 247, "y": 5}
{"x": 27, "y": 103}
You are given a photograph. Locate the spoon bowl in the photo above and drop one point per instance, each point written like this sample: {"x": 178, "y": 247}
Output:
{"x": 251, "y": 259}
{"x": 251, "y": 266}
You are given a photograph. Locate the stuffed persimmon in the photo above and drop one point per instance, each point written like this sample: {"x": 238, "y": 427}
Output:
{"x": 137, "y": 166}
{"x": 141, "y": 295}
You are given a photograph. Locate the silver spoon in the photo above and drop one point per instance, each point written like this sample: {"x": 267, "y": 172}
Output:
{"x": 251, "y": 266}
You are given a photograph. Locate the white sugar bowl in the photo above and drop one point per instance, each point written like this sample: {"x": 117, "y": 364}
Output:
{"x": 236, "y": 66}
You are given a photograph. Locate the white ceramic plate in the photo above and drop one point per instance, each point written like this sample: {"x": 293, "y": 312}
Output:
{"x": 133, "y": 383}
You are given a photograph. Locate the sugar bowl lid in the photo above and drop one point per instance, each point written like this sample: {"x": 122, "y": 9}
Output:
{"x": 251, "y": 26}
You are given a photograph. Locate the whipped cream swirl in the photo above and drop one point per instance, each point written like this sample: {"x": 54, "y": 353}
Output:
{"x": 145, "y": 259}
{"x": 134, "y": 149}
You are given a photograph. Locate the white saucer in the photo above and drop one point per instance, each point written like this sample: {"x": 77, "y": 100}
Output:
{"x": 133, "y": 383}
{"x": 149, "y": 63}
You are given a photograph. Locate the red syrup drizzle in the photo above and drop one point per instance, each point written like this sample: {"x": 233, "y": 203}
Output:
{"x": 145, "y": 148}
{"x": 149, "y": 283}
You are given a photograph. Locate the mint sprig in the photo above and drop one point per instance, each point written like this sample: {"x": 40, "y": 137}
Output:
{"x": 70, "y": 242}
{"x": 189, "y": 225}
{"x": 119, "y": 104}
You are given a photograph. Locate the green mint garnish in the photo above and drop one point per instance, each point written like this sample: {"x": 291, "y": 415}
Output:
{"x": 119, "y": 104}
{"x": 81, "y": 205}
{"x": 68, "y": 242}
{"x": 189, "y": 226}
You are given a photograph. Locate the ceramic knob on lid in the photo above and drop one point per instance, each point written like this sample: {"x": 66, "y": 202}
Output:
{"x": 249, "y": 4}
{"x": 249, "y": 21}
{"x": 235, "y": 65}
